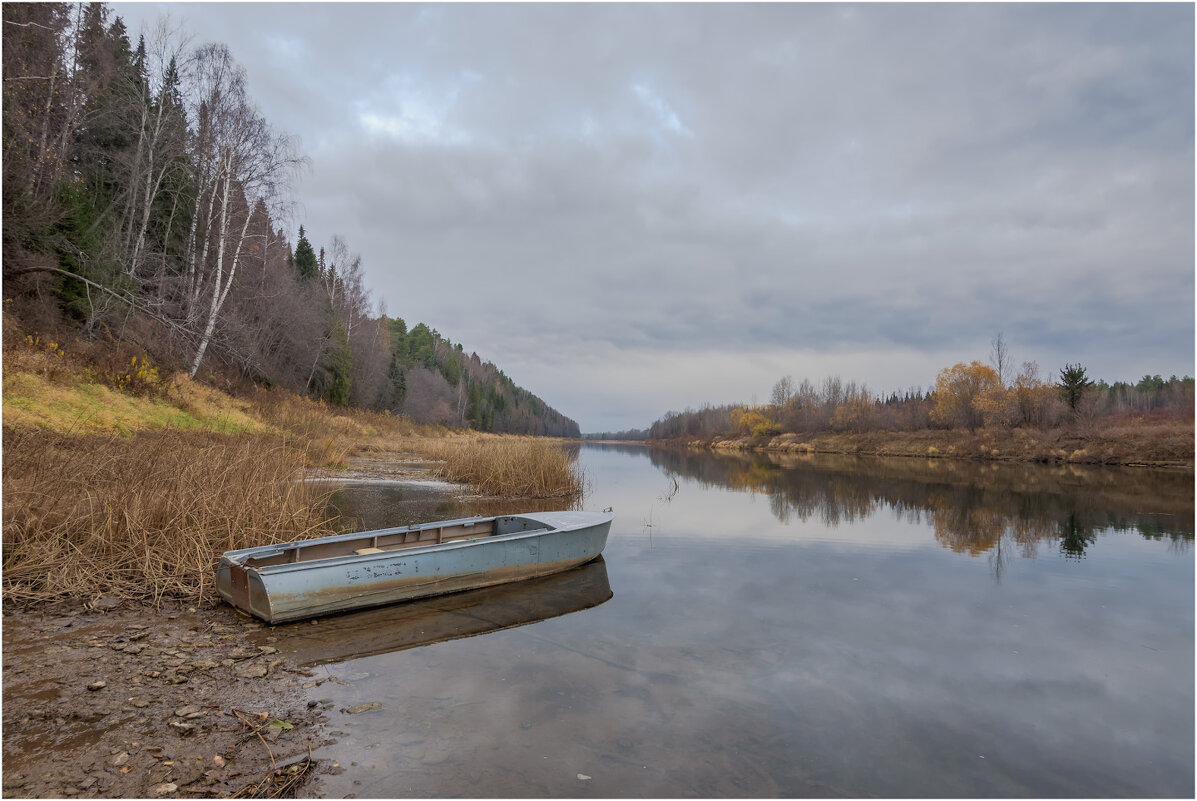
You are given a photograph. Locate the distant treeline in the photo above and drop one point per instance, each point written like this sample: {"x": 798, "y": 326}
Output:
{"x": 967, "y": 396}
{"x": 631, "y": 435}
{"x": 143, "y": 200}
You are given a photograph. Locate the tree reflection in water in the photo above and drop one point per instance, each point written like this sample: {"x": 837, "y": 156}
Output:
{"x": 975, "y": 508}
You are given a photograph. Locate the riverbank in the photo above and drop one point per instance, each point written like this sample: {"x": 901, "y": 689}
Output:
{"x": 117, "y": 699}
{"x": 1136, "y": 442}
{"x": 144, "y": 697}
{"x": 124, "y": 676}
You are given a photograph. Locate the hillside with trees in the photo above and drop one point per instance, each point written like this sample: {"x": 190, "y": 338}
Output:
{"x": 145, "y": 205}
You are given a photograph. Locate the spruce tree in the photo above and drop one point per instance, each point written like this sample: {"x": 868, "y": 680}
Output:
{"x": 1073, "y": 384}
{"x": 305, "y": 258}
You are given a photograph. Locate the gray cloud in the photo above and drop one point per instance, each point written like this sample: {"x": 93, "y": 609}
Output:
{"x": 753, "y": 188}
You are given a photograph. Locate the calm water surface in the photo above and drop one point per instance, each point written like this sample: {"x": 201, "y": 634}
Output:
{"x": 805, "y": 627}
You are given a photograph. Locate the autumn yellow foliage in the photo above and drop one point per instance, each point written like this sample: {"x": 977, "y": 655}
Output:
{"x": 969, "y": 395}
{"x": 754, "y": 421}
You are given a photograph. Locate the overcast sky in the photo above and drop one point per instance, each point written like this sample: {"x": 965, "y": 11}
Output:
{"x": 638, "y": 208}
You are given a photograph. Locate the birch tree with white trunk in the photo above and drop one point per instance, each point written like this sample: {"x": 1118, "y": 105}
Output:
{"x": 242, "y": 166}
{"x": 161, "y": 138}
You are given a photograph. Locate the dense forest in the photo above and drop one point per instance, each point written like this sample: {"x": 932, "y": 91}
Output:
{"x": 965, "y": 396}
{"x": 145, "y": 202}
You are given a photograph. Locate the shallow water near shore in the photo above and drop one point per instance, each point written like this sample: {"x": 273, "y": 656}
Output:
{"x": 805, "y": 626}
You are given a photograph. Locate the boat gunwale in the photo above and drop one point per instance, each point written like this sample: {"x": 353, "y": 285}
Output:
{"x": 351, "y": 535}
{"x": 240, "y": 557}
{"x": 355, "y": 558}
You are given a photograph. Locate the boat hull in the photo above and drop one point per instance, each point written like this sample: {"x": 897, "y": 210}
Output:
{"x": 532, "y": 545}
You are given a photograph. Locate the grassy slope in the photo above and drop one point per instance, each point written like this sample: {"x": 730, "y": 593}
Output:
{"x": 84, "y": 407}
{"x": 48, "y": 390}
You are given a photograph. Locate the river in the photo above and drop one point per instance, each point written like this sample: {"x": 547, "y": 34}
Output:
{"x": 819, "y": 626}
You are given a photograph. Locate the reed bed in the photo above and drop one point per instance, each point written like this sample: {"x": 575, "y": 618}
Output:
{"x": 146, "y": 516}
{"x": 505, "y": 466}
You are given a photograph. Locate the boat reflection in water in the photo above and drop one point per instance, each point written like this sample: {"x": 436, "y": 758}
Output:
{"x": 446, "y": 617}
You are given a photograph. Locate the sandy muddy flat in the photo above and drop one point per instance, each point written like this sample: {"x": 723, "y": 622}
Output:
{"x": 127, "y": 701}
{"x": 398, "y": 468}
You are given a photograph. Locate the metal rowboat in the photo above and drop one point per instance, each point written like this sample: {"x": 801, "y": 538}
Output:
{"x": 322, "y": 576}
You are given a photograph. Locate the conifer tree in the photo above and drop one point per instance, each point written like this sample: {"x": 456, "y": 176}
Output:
{"x": 1073, "y": 384}
{"x": 305, "y": 258}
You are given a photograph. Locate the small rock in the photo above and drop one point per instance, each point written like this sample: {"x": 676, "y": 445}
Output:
{"x": 360, "y": 708}
{"x": 252, "y": 672}
{"x": 218, "y": 761}
{"x": 97, "y": 685}
{"x": 164, "y": 789}
{"x": 139, "y": 702}
{"x": 184, "y": 711}
{"x": 583, "y": 777}
{"x": 204, "y": 664}
{"x": 182, "y": 728}
{"x": 120, "y": 759}
{"x": 87, "y": 783}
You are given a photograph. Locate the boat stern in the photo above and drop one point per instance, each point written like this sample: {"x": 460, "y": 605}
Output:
{"x": 242, "y": 587}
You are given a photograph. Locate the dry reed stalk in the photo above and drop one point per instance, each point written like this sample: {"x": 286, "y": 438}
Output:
{"x": 505, "y": 466}
{"x": 145, "y": 517}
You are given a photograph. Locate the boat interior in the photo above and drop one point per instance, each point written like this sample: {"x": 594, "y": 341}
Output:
{"x": 391, "y": 539}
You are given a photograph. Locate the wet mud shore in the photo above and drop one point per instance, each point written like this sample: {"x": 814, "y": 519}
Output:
{"x": 121, "y": 700}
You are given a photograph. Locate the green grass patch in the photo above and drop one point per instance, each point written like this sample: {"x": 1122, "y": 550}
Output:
{"x": 82, "y": 407}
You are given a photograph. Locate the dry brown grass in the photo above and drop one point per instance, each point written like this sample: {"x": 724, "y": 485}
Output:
{"x": 504, "y": 466}
{"x": 145, "y": 516}
{"x": 329, "y": 434}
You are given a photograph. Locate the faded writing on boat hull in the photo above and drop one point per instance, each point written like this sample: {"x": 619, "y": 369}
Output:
{"x": 330, "y": 600}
